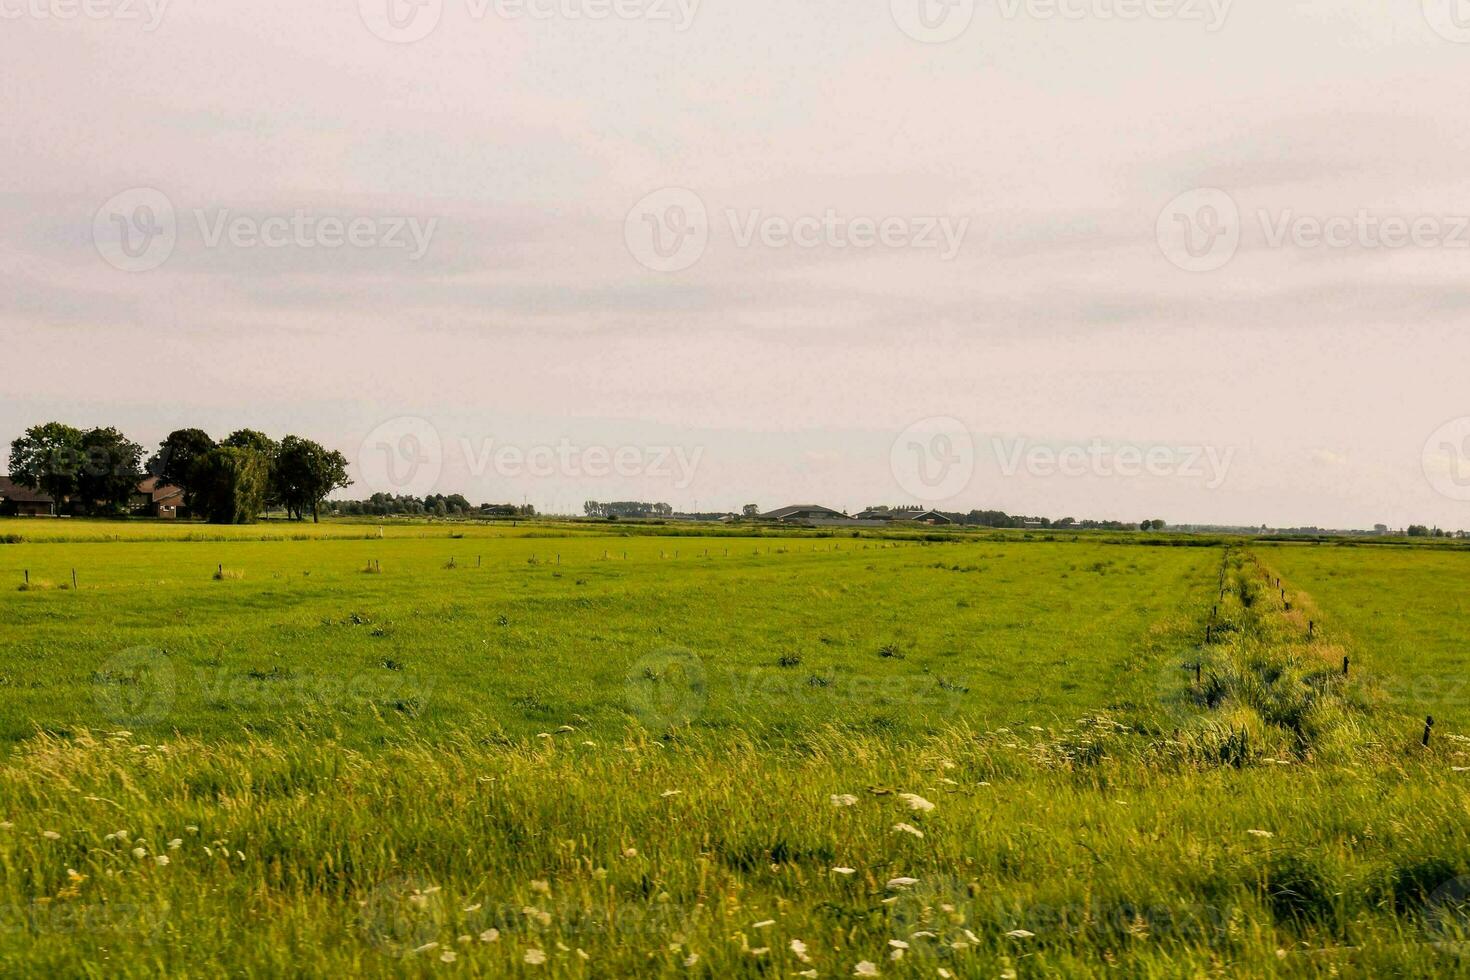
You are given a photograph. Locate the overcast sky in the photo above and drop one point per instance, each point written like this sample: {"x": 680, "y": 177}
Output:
{"x": 752, "y": 244}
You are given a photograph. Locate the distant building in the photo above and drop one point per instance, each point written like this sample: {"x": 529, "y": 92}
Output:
{"x": 19, "y": 501}
{"x": 155, "y": 498}
{"x": 804, "y": 512}
{"x": 927, "y": 517}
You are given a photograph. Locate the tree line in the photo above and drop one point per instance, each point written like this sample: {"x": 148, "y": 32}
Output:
{"x": 434, "y": 505}
{"x": 233, "y": 481}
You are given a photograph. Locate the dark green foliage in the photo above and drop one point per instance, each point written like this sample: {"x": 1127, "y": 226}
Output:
{"x": 305, "y": 473}
{"x": 174, "y": 461}
{"x": 1299, "y": 891}
{"x": 47, "y": 458}
{"x": 111, "y": 466}
{"x": 231, "y": 484}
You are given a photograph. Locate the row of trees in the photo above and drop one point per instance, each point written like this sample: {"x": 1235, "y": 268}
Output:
{"x": 997, "y": 518}
{"x": 235, "y": 480}
{"x": 89, "y": 471}
{"x": 627, "y": 508}
{"x": 97, "y": 471}
{"x": 434, "y": 505}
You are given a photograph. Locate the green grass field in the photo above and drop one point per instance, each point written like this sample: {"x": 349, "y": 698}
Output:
{"x": 579, "y": 751}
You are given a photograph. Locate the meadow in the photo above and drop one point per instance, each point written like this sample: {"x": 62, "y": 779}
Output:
{"x": 590, "y": 752}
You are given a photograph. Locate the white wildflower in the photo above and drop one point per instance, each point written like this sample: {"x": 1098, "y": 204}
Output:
{"x": 916, "y": 802}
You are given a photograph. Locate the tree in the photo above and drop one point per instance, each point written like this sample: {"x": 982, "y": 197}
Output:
{"x": 174, "y": 462}
{"x": 259, "y": 442}
{"x": 253, "y": 440}
{"x": 47, "y": 458}
{"x": 750, "y": 510}
{"x": 110, "y": 469}
{"x": 306, "y": 473}
{"x": 231, "y": 484}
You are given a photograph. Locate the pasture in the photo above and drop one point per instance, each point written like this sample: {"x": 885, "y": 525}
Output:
{"x": 519, "y": 751}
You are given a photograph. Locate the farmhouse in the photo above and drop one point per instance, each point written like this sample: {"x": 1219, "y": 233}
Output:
{"x": 22, "y": 502}
{"x": 928, "y": 517}
{"x": 158, "y": 499}
{"x": 804, "y": 512}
